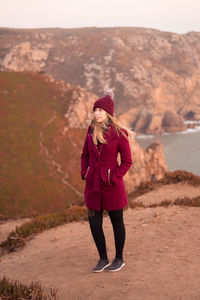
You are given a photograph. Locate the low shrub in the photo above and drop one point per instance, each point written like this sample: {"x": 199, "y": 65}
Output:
{"x": 180, "y": 176}
{"x": 194, "y": 202}
{"x": 169, "y": 178}
{"x": 14, "y": 290}
{"x": 18, "y": 237}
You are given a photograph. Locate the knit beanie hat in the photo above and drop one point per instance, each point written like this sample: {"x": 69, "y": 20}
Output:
{"x": 106, "y": 103}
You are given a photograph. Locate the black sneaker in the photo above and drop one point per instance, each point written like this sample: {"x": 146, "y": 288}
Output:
{"x": 116, "y": 265}
{"x": 102, "y": 264}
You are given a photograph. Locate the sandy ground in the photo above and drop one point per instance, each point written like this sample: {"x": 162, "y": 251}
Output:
{"x": 161, "y": 254}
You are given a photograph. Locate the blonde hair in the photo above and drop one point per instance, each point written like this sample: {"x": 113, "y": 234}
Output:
{"x": 98, "y": 129}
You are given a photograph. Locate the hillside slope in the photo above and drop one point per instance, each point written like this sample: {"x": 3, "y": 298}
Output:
{"x": 42, "y": 134}
{"x": 155, "y": 74}
{"x": 35, "y": 175}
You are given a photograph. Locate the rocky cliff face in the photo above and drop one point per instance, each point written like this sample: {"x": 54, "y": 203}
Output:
{"x": 147, "y": 164}
{"x": 155, "y": 75}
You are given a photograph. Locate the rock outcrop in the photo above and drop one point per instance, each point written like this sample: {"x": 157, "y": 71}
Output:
{"x": 147, "y": 164}
{"x": 79, "y": 112}
{"x": 155, "y": 75}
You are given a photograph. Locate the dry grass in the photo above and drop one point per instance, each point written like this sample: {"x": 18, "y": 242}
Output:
{"x": 194, "y": 202}
{"x": 14, "y": 290}
{"x": 169, "y": 178}
{"x": 18, "y": 238}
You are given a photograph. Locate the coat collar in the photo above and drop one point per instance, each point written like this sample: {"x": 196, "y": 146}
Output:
{"x": 109, "y": 135}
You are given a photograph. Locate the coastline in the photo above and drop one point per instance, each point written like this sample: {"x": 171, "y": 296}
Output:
{"x": 188, "y": 130}
{"x": 181, "y": 149}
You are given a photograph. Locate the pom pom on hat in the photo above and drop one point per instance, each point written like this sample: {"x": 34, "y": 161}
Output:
{"x": 109, "y": 93}
{"x": 106, "y": 103}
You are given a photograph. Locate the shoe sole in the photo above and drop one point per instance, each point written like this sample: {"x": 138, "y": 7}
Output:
{"x": 117, "y": 269}
{"x": 98, "y": 271}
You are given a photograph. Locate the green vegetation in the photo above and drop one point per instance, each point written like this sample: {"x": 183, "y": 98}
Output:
{"x": 14, "y": 290}
{"x": 29, "y": 183}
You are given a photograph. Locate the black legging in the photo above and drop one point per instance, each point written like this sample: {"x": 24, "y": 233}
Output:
{"x": 116, "y": 217}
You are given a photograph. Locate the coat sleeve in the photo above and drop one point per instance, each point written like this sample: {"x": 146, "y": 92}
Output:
{"x": 126, "y": 160}
{"x": 85, "y": 157}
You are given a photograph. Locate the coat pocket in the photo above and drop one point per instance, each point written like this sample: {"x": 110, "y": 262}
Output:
{"x": 109, "y": 176}
{"x": 87, "y": 172}
{"x": 105, "y": 174}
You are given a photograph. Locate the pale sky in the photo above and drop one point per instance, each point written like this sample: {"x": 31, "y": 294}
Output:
{"x": 178, "y": 16}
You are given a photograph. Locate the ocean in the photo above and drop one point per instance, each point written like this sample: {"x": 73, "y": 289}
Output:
{"x": 182, "y": 149}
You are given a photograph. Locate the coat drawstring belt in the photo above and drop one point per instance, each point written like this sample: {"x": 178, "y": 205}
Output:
{"x": 97, "y": 178}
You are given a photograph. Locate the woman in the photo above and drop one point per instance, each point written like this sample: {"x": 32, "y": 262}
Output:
{"x": 105, "y": 189}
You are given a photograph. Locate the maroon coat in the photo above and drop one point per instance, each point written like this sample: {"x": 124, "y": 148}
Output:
{"x": 104, "y": 176}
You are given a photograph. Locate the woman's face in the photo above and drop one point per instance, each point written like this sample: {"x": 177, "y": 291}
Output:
{"x": 100, "y": 114}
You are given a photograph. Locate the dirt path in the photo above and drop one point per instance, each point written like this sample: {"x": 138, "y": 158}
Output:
{"x": 49, "y": 157}
{"x": 161, "y": 253}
